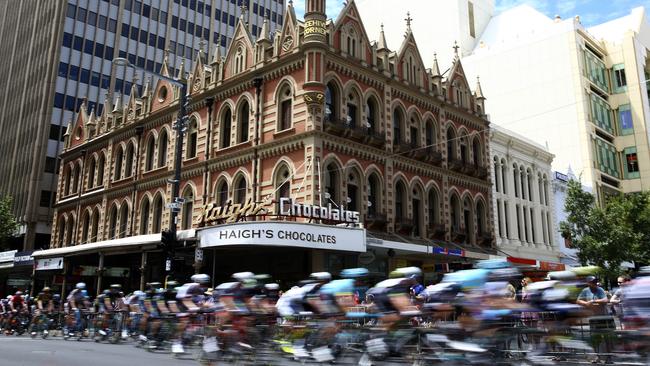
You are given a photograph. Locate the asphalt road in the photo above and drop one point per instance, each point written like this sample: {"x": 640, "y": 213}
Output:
{"x": 19, "y": 351}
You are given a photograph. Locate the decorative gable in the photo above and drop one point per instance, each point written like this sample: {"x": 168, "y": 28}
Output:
{"x": 409, "y": 62}
{"x": 239, "y": 57}
{"x": 350, "y": 36}
{"x": 77, "y": 132}
{"x": 287, "y": 40}
{"x": 458, "y": 90}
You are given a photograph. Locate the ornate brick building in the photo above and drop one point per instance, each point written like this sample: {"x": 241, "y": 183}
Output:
{"x": 317, "y": 113}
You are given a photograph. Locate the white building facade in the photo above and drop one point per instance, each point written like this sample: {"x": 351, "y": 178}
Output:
{"x": 523, "y": 202}
{"x": 559, "y": 183}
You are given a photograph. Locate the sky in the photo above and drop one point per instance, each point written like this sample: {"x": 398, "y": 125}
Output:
{"x": 591, "y": 11}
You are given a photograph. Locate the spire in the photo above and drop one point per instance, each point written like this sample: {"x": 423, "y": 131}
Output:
{"x": 435, "y": 70}
{"x": 91, "y": 119}
{"x": 265, "y": 33}
{"x": 216, "y": 57}
{"x": 479, "y": 91}
{"x": 181, "y": 70}
{"x": 382, "y": 39}
{"x": 107, "y": 104}
{"x": 146, "y": 93}
{"x": 134, "y": 87}
{"x": 408, "y": 21}
{"x": 164, "y": 69}
{"x": 117, "y": 108}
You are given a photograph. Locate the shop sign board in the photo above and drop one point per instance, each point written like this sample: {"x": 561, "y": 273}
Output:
{"x": 44, "y": 264}
{"x": 24, "y": 258}
{"x": 108, "y": 271}
{"x": 285, "y": 234}
{"x": 286, "y": 207}
{"x": 18, "y": 282}
{"x": 7, "y": 256}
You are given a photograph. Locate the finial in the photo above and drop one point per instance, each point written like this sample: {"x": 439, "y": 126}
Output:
{"x": 382, "y": 26}
{"x": 408, "y": 20}
{"x": 291, "y": 2}
{"x": 456, "y": 48}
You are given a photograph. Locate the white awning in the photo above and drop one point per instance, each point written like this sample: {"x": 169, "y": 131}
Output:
{"x": 132, "y": 242}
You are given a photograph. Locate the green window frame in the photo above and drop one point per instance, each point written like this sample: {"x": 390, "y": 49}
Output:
{"x": 619, "y": 81}
{"x": 601, "y": 113}
{"x": 625, "y": 122}
{"x": 595, "y": 70}
{"x": 631, "y": 163}
{"x": 607, "y": 158}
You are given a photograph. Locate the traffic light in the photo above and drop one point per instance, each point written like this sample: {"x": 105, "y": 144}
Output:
{"x": 167, "y": 239}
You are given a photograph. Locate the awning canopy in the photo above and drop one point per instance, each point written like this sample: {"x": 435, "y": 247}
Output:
{"x": 130, "y": 243}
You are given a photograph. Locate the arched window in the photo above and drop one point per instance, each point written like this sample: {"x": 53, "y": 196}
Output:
{"x": 374, "y": 192}
{"x": 283, "y": 183}
{"x": 430, "y": 134}
{"x": 94, "y": 226}
{"x": 400, "y": 201}
{"x": 540, "y": 187}
{"x": 285, "y": 102}
{"x": 398, "y": 119}
{"x": 221, "y": 192}
{"x": 353, "y": 190}
{"x": 119, "y": 157}
{"x": 240, "y": 187}
{"x": 144, "y": 216}
{"x": 529, "y": 180}
{"x": 415, "y": 132}
{"x": 124, "y": 221}
{"x": 77, "y": 178}
{"x": 163, "y": 141}
{"x": 149, "y": 155}
{"x": 497, "y": 178}
{"x": 454, "y": 206}
{"x": 464, "y": 151}
{"x": 481, "y": 218}
{"x": 100, "y": 170}
{"x": 372, "y": 114}
{"x": 92, "y": 169}
{"x": 70, "y": 231}
{"x": 85, "y": 227}
{"x": 112, "y": 223}
{"x": 240, "y": 60}
{"x": 522, "y": 181}
{"x": 67, "y": 180}
{"x": 451, "y": 144}
{"x": 62, "y": 226}
{"x": 332, "y": 183}
{"x": 418, "y": 212}
{"x": 352, "y": 42}
{"x": 331, "y": 102}
{"x": 242, "y": 123}
{"x": 433, "y": 206}
{"x": 546, "y": 193}
{"x": 353, "y": 118}
{"x": 504, "y": 175}
{"x": 226, "y": 128}
{"x": 188, "y": 208}
{"x": 157, "y": 214}
{"x": 468, "y": 219}
{"x": 477, "y": 152}
{"x": 192, "y": 139}
{"x": 128, "y": 163}
{"x": 515, "y": 179}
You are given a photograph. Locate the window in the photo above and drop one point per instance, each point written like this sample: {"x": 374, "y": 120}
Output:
{"x": 625, "y": 120}
{"x": 92, "y": 18}
{"x": 102, "y": 22}
{"x": 601, "y": 113}
{"x": 188, "y": 207}
{"x": 124, "y": 221}
{"x": 100, "y": 170}
{"x": 240, "y": 190}
{"x": 112, "y": 25}
{"x": 157, "y": 214}
{"x": 400, "y": 201}
{"x": 144, "y": 217}
{"x": 620, "y": 83}
{"x": 149, "y": 155}
{"x": 451, "y": 144}
{"x": 67, "y": 40}
{"x": 470, "y": 11}
{"x": 112, "y": 228}
{"x": 162, "y": 149}
{"x": 192, "y": 140}
{"x": 118, "y": 164}
{"x": 71, "y": 11}
{"x": 92, "y": 169}
{"x": 221, "y": 193}
{"x": 128, "y": 162}
{"x": 81, "y": 14}
{"x": 433, "y": 208}
{"x": 331, "y": 102}
{"x": 373, "y": 195}
{"x": 416, "y": 205}
{"x": 226, "y": 127}
{"x": 371, "y": 114}
{"x": 285, "y": 99}
{"x": 631, "y": 163}
{"x": 50, "y": 165}
{"x": 46, "y": 198}
{"x": 607, "y": 158}
{"x": 243, "y": 122}
{"x": 283, "y": 183}
{"x": 332, "y": 183}
{"x": 397, "y": 126}
{"x": 78, "y": 43}
{"x": 595, "y": 70}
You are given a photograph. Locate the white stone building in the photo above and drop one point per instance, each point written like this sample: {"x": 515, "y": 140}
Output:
{"x": 522, "y": 197}
{"x": 559, "y": 182}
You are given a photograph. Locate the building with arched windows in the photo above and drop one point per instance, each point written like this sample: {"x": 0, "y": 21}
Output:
{"x": 312, "y": 149}
{"x": 523, "y": 200}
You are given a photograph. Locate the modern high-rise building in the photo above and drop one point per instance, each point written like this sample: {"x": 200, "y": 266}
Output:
{"x": 581, "y": 91}
{"x": 56, "y": 54}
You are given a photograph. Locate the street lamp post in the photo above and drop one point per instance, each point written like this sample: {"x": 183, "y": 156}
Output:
{"x": 168, "y": 238}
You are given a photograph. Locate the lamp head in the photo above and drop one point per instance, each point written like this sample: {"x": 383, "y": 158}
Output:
{"x": 121, "y": 61}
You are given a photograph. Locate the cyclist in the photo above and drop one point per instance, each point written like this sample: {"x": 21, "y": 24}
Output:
{"x": 17, "y": 306}
{"x": 78, "y": 301}
{"x": 44, "y": 305}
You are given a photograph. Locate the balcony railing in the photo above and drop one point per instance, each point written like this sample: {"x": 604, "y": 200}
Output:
{"x": 486, "y": 239}
{"x": 374, "y": 138}
{"x": 403, "y": 225}
{"x": 455, "y": 164}
{"x": 433, "y": 156}
{"x": 458, "y": 235}
{"x": 401, "y": 147}
{"x": 481, "y": 172}
{"x": 376, "y": 221}
{"x": 417, "y": 152}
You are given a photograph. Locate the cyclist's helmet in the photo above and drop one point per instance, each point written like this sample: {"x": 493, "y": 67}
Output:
{"x": 201, "y": 279}
{"x": 321, "y": 276}
{"x": 171, "y": 285}
{"x": 19, "y": 293}
{"x": 354, "y": 273}
{"x": 56, "y": 297}
{"x": 80, "y": 286}
{"x": 46, "y": 289}
{"x": 241, "y": 276}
